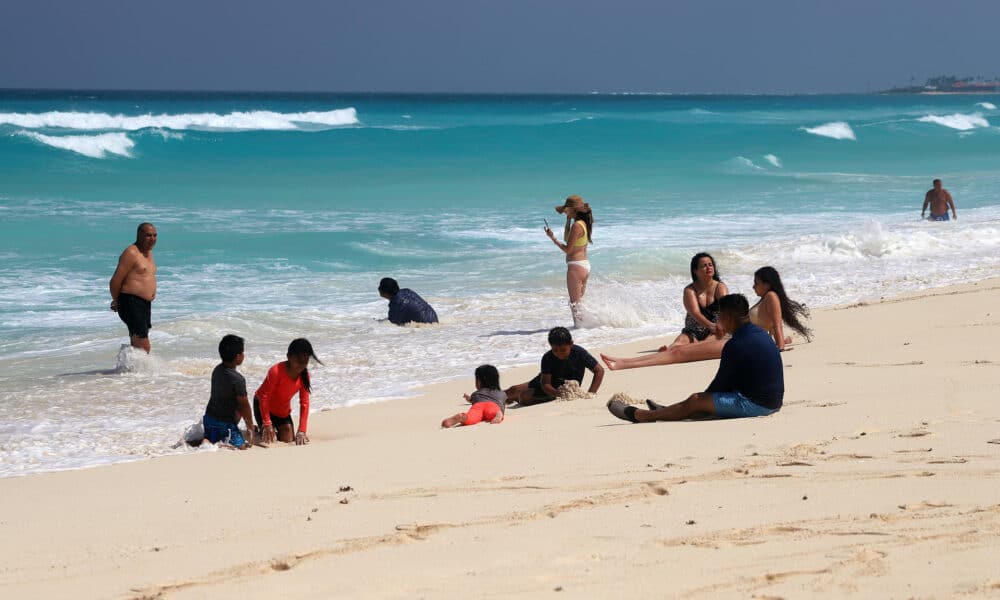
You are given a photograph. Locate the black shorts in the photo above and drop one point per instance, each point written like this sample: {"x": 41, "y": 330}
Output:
{"x": 276, "y": 421}
{"x": 136, "y": 313}
{"x": 538, "y": 395}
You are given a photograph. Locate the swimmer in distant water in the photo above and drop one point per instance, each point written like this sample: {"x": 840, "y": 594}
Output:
{"x": 940, "y": 201}
{"x": 578, "y": 234}
{"x": 133, "y": 286}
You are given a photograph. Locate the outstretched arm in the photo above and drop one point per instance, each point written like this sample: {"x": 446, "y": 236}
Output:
{"x": 595, "y": 385}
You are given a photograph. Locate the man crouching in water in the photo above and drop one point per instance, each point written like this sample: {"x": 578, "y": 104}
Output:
{"x": 133, "y": 286}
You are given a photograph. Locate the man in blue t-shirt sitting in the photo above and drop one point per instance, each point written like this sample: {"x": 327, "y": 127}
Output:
{"x": 405, "y": 305}
{"x": 750, "y": 381}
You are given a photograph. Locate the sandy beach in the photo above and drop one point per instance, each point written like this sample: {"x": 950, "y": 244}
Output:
{"x": 878, "y": 478}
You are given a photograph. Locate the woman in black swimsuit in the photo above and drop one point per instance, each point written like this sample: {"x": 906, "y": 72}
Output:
{"x": 697, "y": 340}
{"x": 701, "y": 300}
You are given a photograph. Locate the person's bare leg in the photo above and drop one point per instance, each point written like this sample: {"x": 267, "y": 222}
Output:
{"x": 706, "y": 350}
{"x": 141, "y": 343}
{"x": 696, "y": 404}
{"x": 576, "y": 285}
{"x": 456, "y": 419}
{"x": 285, "y": 433}
{"x": 681, "y": 340}
{"x": 576, "y": 282}
{"x": 519, "y": 393}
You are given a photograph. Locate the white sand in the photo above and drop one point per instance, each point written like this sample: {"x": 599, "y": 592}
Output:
{"x": 877, "y": 479}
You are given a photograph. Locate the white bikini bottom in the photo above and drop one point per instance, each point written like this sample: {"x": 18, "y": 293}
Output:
{"x": 580, "y": 263}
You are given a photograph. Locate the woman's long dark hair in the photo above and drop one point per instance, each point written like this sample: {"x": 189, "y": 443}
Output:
{"x": 587, "y": 216}
{"x": 488, "y": 376}
{"x": 694, "y": 266}
{"x": 302, "y": 347}
{"x": 790, "y": 309}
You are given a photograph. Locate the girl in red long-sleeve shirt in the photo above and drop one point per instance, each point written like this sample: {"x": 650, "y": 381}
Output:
{"x": 272, "y": 402}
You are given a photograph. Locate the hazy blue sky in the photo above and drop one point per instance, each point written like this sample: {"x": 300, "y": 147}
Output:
{"x": 500, "y": 46}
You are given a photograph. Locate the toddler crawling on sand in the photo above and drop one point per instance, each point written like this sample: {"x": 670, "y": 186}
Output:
{"x": 488, "y": 402}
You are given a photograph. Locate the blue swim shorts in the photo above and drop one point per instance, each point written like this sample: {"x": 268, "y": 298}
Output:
{"x": 733, "y": 405}
{"x": 221, "y": 431}
{"x": 944, "y": 217}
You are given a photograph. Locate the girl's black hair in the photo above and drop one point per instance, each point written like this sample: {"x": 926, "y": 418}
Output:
{"x": 302, "y": 347}
{"x": 790, "y": 309}
{"x": 488, "y": 377}
{"x": 694, "y": 266}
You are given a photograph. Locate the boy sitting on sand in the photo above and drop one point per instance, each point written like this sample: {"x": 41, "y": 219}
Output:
{"x": 750, "y": 381}
{"x": 564, "y": 362}
{"x": 488, "y": 402}
{"x": 228, "y": 400}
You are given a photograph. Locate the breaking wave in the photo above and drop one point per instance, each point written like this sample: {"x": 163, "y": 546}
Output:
{"x": 94, "y": 146}
{"x": 959, "y": 121}
{"x": 234, "y": 121}
{"x": 837, "y": 130}
{"x": 987, "y": 105}
{"x": 774, "y": 160}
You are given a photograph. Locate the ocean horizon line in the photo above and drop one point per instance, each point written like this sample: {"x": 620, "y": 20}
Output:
{"x": 45, "y": 91}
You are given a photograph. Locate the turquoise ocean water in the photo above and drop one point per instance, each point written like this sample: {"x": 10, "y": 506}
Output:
{"x": 278, "y": 214}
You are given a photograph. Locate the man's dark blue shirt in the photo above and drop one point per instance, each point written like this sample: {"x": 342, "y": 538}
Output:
{"x": 408, "y": 307}
{"x": 751, "y": 365}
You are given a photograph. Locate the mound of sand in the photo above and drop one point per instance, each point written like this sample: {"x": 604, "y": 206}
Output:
{"x": 571, "y": 390}
{"x": 627, "y": 399}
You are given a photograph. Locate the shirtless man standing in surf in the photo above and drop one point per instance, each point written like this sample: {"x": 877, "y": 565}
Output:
{"x": 133, "y": 286}
{"x": 940, "y": 201}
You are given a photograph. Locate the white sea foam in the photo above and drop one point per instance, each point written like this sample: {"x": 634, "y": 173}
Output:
{"x": 987, "y": 105}
{"x": 94, "y": 146}
{"x": 774, "y": 160}
{"x": 959, "y": 121}
{"x": 744, "y": 162}
{"x": 234, "y": 121}
{"x": 838, "y": 130}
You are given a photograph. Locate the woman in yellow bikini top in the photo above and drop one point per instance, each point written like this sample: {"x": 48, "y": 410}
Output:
{"x": 577, "y": 236}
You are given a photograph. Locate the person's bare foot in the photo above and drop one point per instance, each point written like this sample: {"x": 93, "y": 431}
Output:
{"x": 453, "y": 421}
{"x": 610, "y": 362}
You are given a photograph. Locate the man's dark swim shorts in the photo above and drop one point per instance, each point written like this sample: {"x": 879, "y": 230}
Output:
{"x": 136, "y": 313}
